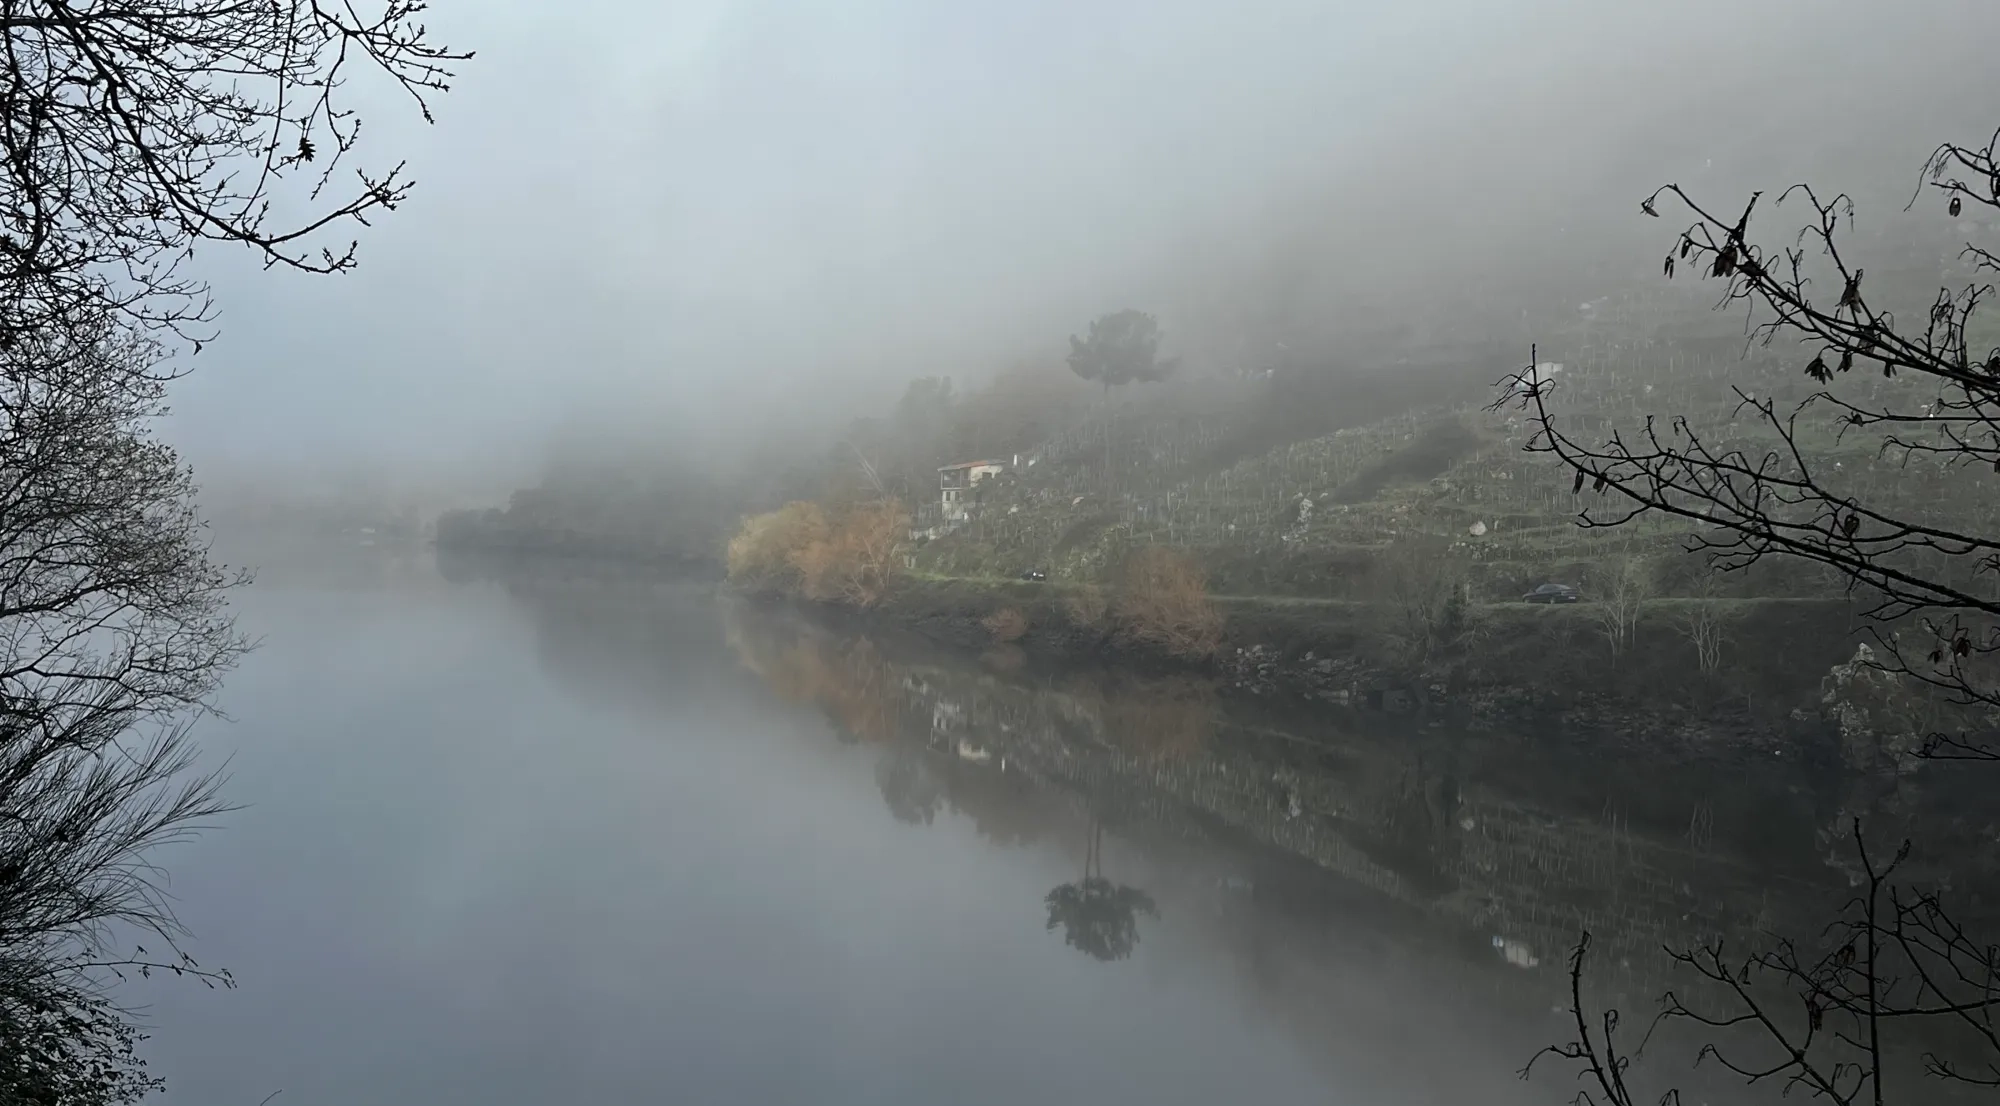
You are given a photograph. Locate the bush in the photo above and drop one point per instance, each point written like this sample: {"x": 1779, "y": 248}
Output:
{"x": 1623, "y": 584}
{"x": 800, "y": 549}
{"x": 1006, "y": 624}
{"x": 762, "y": 556}
{"x": 1428, "y": 587}
{"x": 1163, "y": 602}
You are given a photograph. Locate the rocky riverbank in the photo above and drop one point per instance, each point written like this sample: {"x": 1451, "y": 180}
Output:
{"x": 1541, "y": 667}
{"x": 1789, "y": 685}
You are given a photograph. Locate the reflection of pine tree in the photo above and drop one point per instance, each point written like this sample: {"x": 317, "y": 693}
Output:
{"x": 1098, "y": 918}
{"x": 1419, "y": 834}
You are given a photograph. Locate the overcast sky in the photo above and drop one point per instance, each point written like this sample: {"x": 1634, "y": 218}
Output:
{"x": 676, "y": 215}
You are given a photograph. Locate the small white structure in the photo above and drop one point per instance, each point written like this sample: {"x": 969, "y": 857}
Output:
{"x": 955, "y": 483}
{"x": 1542, "y": 375}
{"x": 1516, "y": 953}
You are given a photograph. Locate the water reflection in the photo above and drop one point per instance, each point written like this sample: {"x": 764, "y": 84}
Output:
{"x": 909, "y": 790}
{"x": 1152, "y": 717}
{"x": 845, "y": 680}
{"x": 1098, "y": 918}
{"x": 1441, "y": 869}
{"x": 1507, "y": 846}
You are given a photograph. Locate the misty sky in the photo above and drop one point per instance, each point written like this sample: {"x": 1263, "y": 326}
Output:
{"x": 670, "y": 215}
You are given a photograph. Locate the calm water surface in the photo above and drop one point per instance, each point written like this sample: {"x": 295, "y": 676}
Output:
{"x": 550, "y": 841}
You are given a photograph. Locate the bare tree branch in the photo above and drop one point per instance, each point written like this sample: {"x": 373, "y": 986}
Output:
{"x": 1761, "y": 486}
{"x": 132, "y": 131}
{"x": 1894, "y": 1001}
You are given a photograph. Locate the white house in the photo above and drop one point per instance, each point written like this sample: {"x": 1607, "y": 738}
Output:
{"x": 955, "y": 484}
{"x": 1542, "y": 375}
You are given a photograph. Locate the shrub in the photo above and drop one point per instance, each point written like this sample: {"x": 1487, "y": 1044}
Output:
{"x": 1163, "y": 602}
{"x": 801, "y": 550}
{"x": 1428, "y": 587}
{"x": 1006, "y": 624}
{"x": 1623, "y": 583}
{"x": 763, "y": 554}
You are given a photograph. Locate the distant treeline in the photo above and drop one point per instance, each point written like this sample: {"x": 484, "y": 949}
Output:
{"x": 670, "y": 524}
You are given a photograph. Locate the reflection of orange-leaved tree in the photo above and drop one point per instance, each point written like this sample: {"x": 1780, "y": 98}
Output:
{"x": 1164, "y": 719}
{"x": 847, "y": 680}
{"x": 852, "y": 685}
{"x": 1098, "y": 918}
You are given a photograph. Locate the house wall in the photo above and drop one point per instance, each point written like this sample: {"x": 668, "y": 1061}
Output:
{"x": 955, "y": 486}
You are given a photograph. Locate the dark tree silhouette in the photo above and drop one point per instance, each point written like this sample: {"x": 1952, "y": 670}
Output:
{"x": 132, "y": 131}
{"x": 1122, "y": 347}
{"x": 113, "y": 632}
{"x": 73, "y": 1049}
{"x": 925, "y": 404}
{"x": 1098, "y": 918}
{"x": 1925, "y": 392}
{"x": 1895, "y": 1002}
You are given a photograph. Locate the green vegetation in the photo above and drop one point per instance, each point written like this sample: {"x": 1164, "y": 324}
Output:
{"x": 1380, "y": 488}
{"x": 1425, "y": 523}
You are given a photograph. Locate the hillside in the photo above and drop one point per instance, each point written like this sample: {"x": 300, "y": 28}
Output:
{"x": 1325, "y": 515}
{"x": 1335, "y": 473}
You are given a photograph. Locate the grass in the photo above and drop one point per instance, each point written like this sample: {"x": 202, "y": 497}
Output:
{"x": 1776, "y": 650}
{"x": 1731, "y": 606}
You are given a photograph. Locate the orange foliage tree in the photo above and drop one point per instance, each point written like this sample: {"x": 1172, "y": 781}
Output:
{"x": 849, "y": 557}
{"x": 1163, "y": 602}
{"x": 763, "y": 554}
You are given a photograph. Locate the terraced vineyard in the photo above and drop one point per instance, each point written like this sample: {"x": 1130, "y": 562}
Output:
{"x": 1308, "y": 516}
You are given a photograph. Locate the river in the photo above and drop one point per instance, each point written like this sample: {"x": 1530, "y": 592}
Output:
{"x": 548, "y": 839}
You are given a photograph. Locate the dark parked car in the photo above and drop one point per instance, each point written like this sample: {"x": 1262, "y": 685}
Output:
{"x": 1552, "y": 593}
{"x": 1034, "y": 574}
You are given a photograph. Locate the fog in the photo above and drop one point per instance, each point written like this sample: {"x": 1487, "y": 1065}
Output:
{"x": 721, "y": 220}
{"x": 660, "y": 264}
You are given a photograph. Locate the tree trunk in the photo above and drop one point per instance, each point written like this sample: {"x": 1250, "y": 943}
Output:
{"x": 1107, "y": 441}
